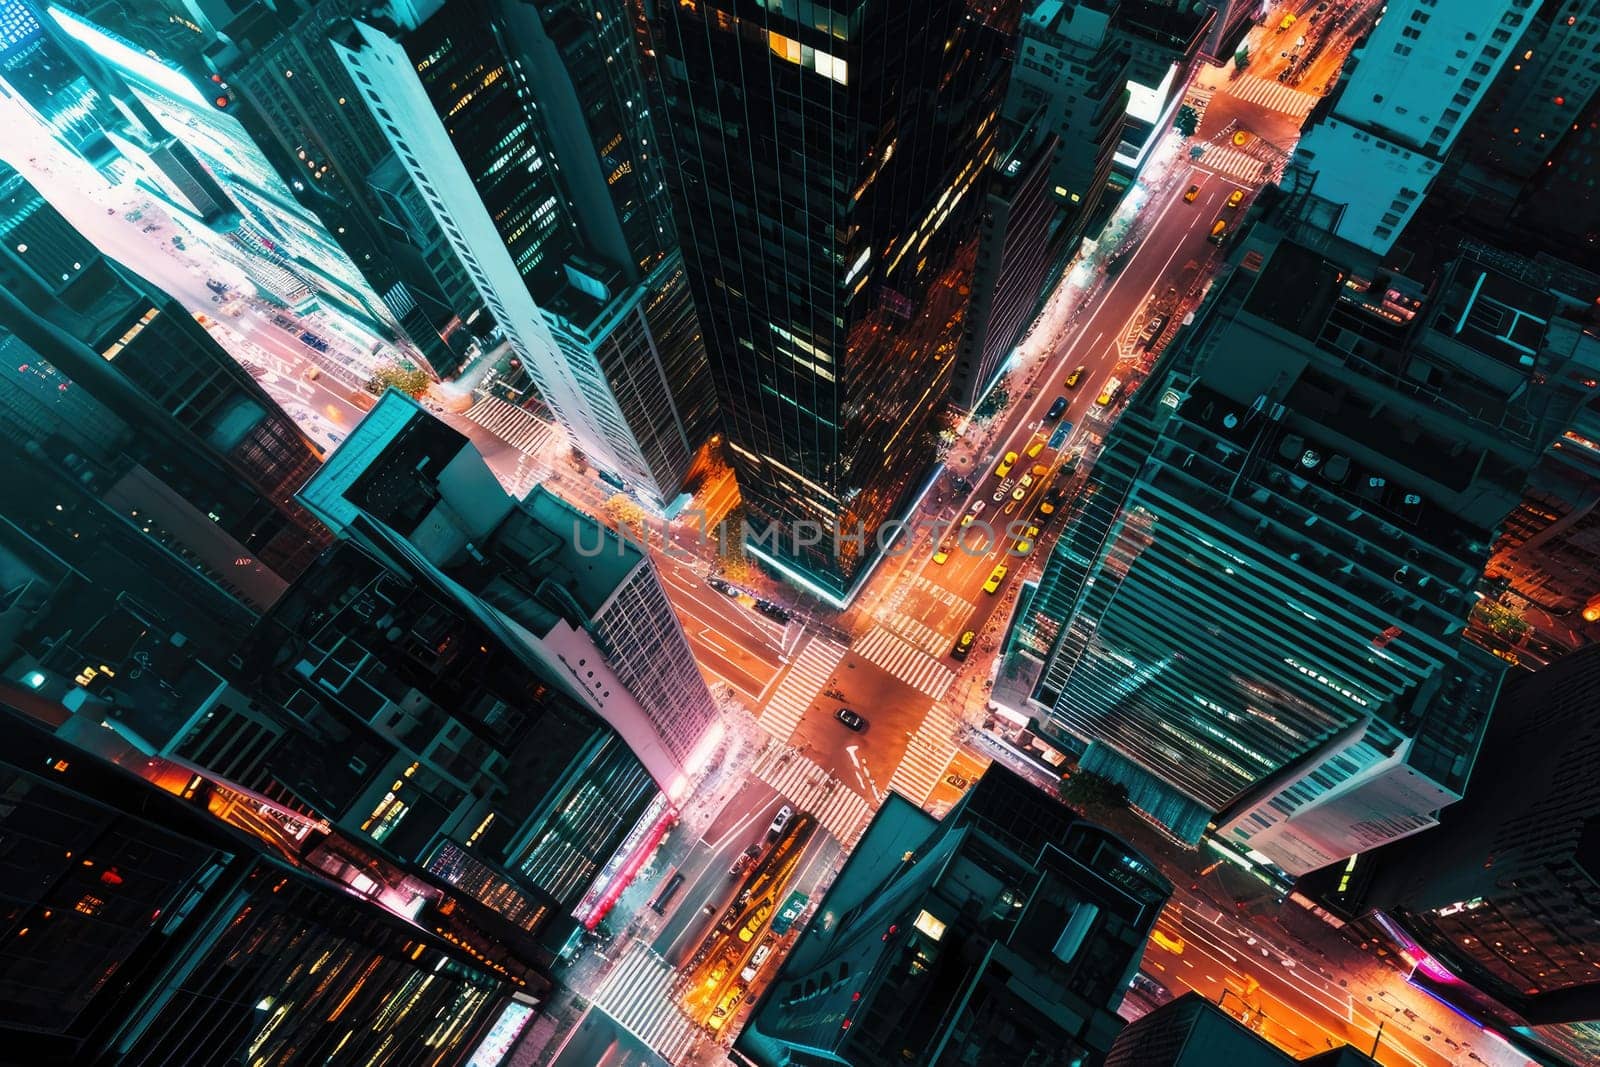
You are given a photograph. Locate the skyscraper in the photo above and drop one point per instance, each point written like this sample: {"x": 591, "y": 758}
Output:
{"x": 1022, "y": 247}
{"x": 114, "y": 376}
{"x": 826, "y": 170}
{"x": 283, "y": 247}
{"x": 141, "y": 929}
{"x": 1505, "y": 894}
{"x": 581, "y": 605}
{"x": 1254, "y": 620}
{"x": 291, "y": 92}
{"x": 1006, "y": 932}
{"x": 1413, "y": 87}
{"x": 533, "y": 145}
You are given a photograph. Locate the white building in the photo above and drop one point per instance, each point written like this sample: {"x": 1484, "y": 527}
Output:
{"x": 1425, "y": 67}
{"x": 583, "y": 607}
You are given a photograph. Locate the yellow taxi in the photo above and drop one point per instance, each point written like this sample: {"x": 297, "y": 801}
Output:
{"x": 1235, "y": 198}
{"x": 1005, "y": 465}
{"x": 943, "y": 553}
{"x": 1171, "y": 942}
{"x": 963, "y": 645}
{"x": 1035, "y": 448}
{"x": 1192, "y": 193}
{"x": 996, "y": 576}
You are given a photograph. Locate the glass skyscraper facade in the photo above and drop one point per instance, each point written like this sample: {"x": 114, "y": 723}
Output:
{"x": 825, "y": 159}
{"x": 1254, "y": 619}
{"x": 528, "y": 133}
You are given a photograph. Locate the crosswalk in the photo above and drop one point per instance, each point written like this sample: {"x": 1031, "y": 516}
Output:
{"x": 637, "y": 993}
{"x": 842, "y": 811}
{"x": 940, "y": 593}
{"x": 927, "y": 755}
{"x": 917, "y": 632}
{"x": 1230, "y": 161}
{"x": 1273, "y": 95}
{"x": 906, "y": 662}
{"x": 807, "y": 676}
{"x": 522, "y": 430}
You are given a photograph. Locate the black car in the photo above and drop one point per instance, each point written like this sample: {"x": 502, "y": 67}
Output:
{"x": 720, "y": 586}
{"x": 1152, "y": 331}
{"x": 772, "y": 611}
{"x": 1150, "y": 989}
{"x": 851, "y": 719}
{"x": 1056, "y": 409}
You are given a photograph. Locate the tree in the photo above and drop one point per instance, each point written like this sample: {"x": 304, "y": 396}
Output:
{"x": 402, "y": 376}
{"x": 993, "y": 404}
{"x": 622, "y": 511}
{"x": 1086, "y": 789}
{"x": 1187, "y": 121}
{"x": 737, "y": 569}
{"x": 1241, "y": 58}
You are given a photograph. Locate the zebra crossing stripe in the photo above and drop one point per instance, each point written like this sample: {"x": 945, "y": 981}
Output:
{"x": 927, "y": 755}
{"x": 906, "y": 662}
{"x": 520, "y": 429}
{"x": 841, "y": 810}
{"x": 637, "y": 993}
{"x": 1274, "y": 96}
{"x": 1225, "y": 159}
{"x": 917, "y": 632}
{"x": 806, "y": 678}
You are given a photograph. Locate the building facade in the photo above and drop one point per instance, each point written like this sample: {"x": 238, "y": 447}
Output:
{"x": 827, "y": 174}
{"x": 1505, "y": 894}
{"x": 143, "y": 930}
{"x": 1254, "y": 619}
{"x": 283, "y": 247}
{"x": 1024, "y": 243}
{"x": 1407, "y": 96}
{"x": 1008, "y": 930}
{"x": 582, "y": 604}
{"x": 113, "y": 376}
{"x": 546, "y": 179}
{"x": 287, "y": 86}
{"x": 1072, "y": 79}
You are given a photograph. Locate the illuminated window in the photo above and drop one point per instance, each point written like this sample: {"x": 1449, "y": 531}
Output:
{"x": 929, "y": 925}
{"x": 783, "y": 47}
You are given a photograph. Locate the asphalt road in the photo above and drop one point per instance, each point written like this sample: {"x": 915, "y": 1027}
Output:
{"x": 597, "y": 1041}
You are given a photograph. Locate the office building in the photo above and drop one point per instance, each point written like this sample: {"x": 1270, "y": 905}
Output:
{"x": 827, "y": 172}
{"x": 1164, "y": 42}
{"x": 37, "y": 69}
{"x": 1254, "y": 619}
{"x": 1522, "y": 170}
{"x": 1553, "y": 75}
{"x": 583, "y": 605}
{"x": 1022, "y": 247}
{"x": 1406, "y": 96}
{"x": 1007, "y": 932}
{"x": 259, "y": 224}
{"x": 119, "y": 387}
{"x": 1505, "y": 894}
{"x": 1072, "y": 79}
{"x": 1193, "y": 1032}
{"x": 143, "y": 930}
{"x": 546, "y": 179}
{"x": 288, "y": 88}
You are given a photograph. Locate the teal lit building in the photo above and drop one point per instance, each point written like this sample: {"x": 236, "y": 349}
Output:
{"x": 1254, "y": 618}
